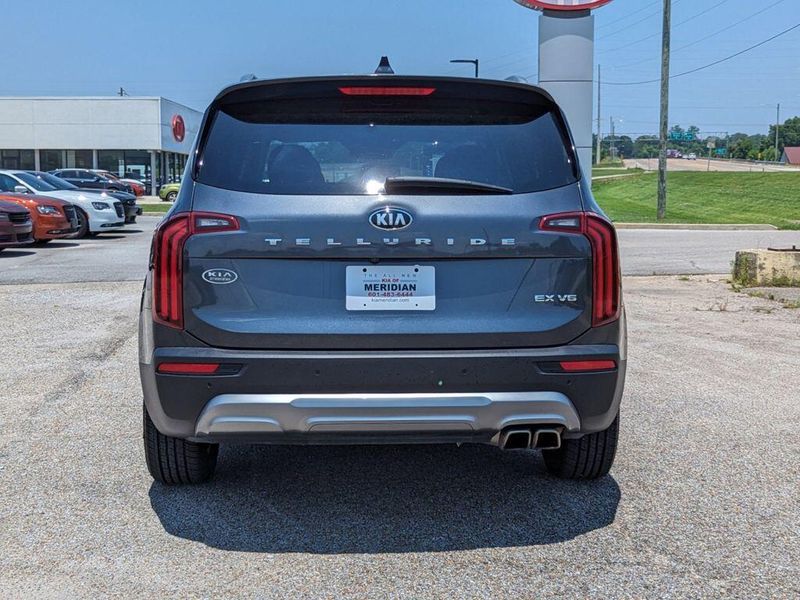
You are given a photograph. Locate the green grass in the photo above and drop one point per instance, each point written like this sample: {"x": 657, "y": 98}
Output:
{"x": 772, "y": 198}
{"x": 157, "y": 208}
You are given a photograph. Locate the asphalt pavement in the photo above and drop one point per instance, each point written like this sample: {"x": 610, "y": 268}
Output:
{"x": 123, "y": 256}
{"x": 702, "y": 501}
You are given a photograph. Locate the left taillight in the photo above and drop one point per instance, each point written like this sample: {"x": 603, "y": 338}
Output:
{"x": 606, "y": 281}
{"x": 167, "y": 263}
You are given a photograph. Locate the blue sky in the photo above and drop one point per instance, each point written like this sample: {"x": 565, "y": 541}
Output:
{"x": 187, "y": 50}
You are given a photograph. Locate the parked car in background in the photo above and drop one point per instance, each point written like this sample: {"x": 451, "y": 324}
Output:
{"x": 132, "y": 210}
{"x": 96, "y": 213}
{"x": 52, "y": 218}
{"x": 16, "y": 226}
{"x": 169, "y": 191}
{"x": 691, "y": 156}
{"x": 88, "y": 179}
{"x": 137, "y": 187}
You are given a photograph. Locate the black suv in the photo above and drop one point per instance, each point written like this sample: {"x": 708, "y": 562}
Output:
{"x": 383, "y": 259}
{"x": 86, "y": 179}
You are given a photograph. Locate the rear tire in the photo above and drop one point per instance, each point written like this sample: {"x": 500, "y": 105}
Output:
{"x": 175, "y": 461}
{"x": 171, "y": 196}
{"x": 589, "y": 457}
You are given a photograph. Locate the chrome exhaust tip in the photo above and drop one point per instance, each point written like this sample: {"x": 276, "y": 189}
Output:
{"x": 546, "y": 439}
{"x": 516, "y": 439}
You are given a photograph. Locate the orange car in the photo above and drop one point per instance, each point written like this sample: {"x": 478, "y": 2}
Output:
{"x": 52, "y": 218}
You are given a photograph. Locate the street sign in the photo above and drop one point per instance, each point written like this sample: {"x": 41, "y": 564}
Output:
{"x": 711, "y": 145}
{"x": 562, "y": 4}
{"x": 682, "y": 136}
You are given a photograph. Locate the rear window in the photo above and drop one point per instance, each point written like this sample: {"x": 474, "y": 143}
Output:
{"x": 351, "y": 146}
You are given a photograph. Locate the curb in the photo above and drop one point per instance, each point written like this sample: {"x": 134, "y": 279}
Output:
{"x": 699, "y": 226}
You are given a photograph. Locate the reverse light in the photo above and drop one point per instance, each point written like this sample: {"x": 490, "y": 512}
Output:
{"x": 167, "y": 262}
{"x": 387, "y": 91}
{"x": 586, "y": 366}
{"x": 606, "y": 282}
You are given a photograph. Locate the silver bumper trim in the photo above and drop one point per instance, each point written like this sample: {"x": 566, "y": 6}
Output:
{"x": 383, "y": 413}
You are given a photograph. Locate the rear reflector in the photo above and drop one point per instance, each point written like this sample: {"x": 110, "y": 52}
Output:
{"x": 386, "y": 91}
{"x": 188, "y": 368}
{"x": 574, "y": 366}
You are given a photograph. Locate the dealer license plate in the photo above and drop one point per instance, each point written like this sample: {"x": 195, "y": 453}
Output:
{"x": 391, "y": 288}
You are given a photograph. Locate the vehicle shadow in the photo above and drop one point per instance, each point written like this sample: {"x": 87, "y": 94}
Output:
{"x": 13, "y": 252}
{"x": 126, "y": 230}
{"x": 375, "y": 499}
{"x": 57, "y": 245}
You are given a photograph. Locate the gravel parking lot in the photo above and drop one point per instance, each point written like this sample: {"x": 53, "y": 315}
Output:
{"x": 702, "y": 502}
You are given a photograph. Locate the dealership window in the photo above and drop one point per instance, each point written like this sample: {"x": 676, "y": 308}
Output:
{"x": 125, "y": 163}
{"x": 175, "y": 164}
{"x": 17, "y": 159}
{"x": 79, "y": 159}
{"x": 50, "y": 160}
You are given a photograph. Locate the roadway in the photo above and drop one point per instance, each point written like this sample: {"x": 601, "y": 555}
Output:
{"x": 702, "y": 164}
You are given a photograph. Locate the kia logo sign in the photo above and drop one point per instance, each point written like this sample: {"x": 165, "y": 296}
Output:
{"x": 178, "y": 128}
{"x": 390, "y": 218}
{"x": 562, "y": 4}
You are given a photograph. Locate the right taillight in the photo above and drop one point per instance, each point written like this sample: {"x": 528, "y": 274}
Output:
{"x": 169, "y": 240}
{"x": 606, "y": 284}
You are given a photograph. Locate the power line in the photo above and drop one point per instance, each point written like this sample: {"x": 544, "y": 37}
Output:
{"x": 649, "y": 37}
{"x": 708, "y": 37}
{"x": 630, "y": 14}
{"x": 709, "y": 65}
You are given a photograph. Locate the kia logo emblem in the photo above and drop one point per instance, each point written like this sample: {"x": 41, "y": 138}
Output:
{"x": 178, "y": 128}
{"x": 220, "y": 276}
{"x": 390, "y": 218}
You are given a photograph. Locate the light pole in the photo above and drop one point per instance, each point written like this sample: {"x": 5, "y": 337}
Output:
{"x": 472, "y": 61}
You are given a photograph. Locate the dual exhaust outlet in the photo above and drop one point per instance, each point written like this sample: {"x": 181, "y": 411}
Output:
{"x": 548, "y": 438}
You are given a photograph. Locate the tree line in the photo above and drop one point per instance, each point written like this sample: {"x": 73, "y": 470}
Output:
{"x": 743, "y": 146}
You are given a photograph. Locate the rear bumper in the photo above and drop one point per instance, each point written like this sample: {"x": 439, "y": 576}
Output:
{"x": 379, "y": 397}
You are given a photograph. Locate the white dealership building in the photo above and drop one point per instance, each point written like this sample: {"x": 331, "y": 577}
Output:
{"x": 148, "y": 138}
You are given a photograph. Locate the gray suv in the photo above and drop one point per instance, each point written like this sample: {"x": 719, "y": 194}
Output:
{"x": 383, "y": 260}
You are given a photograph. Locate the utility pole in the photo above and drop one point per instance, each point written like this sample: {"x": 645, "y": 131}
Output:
{"x": 613, "y": 143}
{"x": 664, "y": 119}
{"x": 599, "y": 131}
{"x": 777, "y": 128}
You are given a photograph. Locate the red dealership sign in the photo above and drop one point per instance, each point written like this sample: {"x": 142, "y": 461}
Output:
{"x": 562, "y": 4}
{"x": 178, "y": 128}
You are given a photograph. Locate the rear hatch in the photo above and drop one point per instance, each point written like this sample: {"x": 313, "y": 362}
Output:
{"x": 386, "y": 213}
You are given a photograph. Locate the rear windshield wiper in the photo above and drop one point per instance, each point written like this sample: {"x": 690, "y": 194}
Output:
{"x": 440, "y": 185}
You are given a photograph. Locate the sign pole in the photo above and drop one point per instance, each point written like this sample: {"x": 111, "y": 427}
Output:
{"x": 566, "y": 65}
